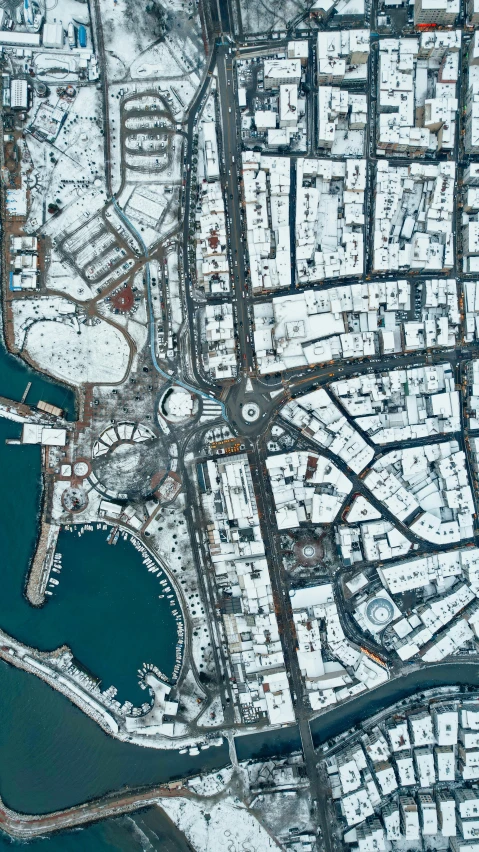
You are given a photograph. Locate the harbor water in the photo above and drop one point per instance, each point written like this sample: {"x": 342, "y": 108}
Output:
{"x": 145, "y": 831}
{"x": 106, "y": 606}
{"x": 53, "y": 756}
{"x": 15, "y": 376}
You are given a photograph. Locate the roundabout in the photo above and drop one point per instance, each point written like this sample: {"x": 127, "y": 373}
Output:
{"x": 251, "y": 412}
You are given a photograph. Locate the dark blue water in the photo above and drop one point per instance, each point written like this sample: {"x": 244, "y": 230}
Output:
{"x": 344, "y": 717}
{"x": 145, "y": 831}
{"x": 106, "y": 607}
{"x": 268, "y": 744}
{"x": 102, "y": 837}
{"x": 53, "y": 756}
{"x": 15, "y": 375}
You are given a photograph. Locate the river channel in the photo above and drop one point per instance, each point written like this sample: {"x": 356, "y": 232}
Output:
{"x": 344, "y": 717}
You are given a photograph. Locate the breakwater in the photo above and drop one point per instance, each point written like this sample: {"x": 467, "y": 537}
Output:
{"x": 53, "y": 756}
{"x": 105, "y": 605}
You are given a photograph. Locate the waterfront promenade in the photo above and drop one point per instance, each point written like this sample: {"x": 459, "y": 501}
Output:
{"x": 25, "y": 827}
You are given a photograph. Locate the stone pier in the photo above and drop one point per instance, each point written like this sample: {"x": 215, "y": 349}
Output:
{"x": 42, "y": 563}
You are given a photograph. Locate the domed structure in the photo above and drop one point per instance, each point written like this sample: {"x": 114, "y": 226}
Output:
{"x": 375, "y": 613}
{"x": 177, "y": 405}
{"x": 380, "y": 611}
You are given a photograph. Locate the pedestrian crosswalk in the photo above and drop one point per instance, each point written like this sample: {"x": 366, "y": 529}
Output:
{"x": 211, "y": 410}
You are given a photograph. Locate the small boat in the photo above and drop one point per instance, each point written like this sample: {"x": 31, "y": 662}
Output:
{"x": 114, "y": 535}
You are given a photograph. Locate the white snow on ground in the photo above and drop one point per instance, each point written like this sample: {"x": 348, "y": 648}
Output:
{"x": 138, "y": 333}
{"x": 121, "y": 46}
{"x": 67, "y": 348}
{"x": 131, "y": 38}
{"x": 81, "y": 136}
{"x": 75, "y": 214}
{"x": 213, "y": 715}
{"x": 279, "y": 811}
{"x": 63, "y": 171}
{"x": 160, "y": 61}
{"x": 211, "y": 784}
{"x": 63, "y": 278}
{"x": 62, "y": 67}
{"x": 227, "y": 825}
{"x": 174, "y": 287}
{"x": 152, "y": 210}
{"x": 89, "y": 513}
{"x": 171, "y": 174}
{"x": 262, "y": 17}
{"x": 191, "y": 697}
{"x": 169, "y": 537}
{"x": 28, "y": 311}
{"x": 136, "y": 326}
{"x": 66, "y": 11}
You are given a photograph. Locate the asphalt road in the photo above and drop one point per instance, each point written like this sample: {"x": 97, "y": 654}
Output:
{"x": 231, "y": 166}
{"x": 284, "y": 614}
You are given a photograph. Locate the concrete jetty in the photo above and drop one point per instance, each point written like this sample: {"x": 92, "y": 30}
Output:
{"x": 25, "y": 826}
{"x": 18, "y": 411}
{"x": 42, "y": 563}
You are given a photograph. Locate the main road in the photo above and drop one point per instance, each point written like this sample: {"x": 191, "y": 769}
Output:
{"x": 279, "y": 585}
{"x": 232, "y": 164}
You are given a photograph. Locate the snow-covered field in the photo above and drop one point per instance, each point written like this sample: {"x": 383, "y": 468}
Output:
{"x": 92, "y": 353}
{"x": 227, "y": 825}
{"x": 135, "y": 37}
{"x": 259, "y": 16}
{"x": 153, "y": 210}
{"x": 66, "y": 170}
{"x": 75, "y": 214}
{"x": 64, "y": 346}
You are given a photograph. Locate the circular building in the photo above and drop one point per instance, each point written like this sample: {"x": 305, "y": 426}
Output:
{"x": 177, "y": 405}
{"x": 380, "y": 611}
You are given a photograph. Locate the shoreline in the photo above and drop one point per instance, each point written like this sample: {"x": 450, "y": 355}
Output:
{"x": 40, "y": 565}
{"x": 20, "y": 826}
{"x": 22, "y": 657}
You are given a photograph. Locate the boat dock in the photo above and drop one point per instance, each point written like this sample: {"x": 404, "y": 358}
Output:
{"x": 25, "y": 392}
